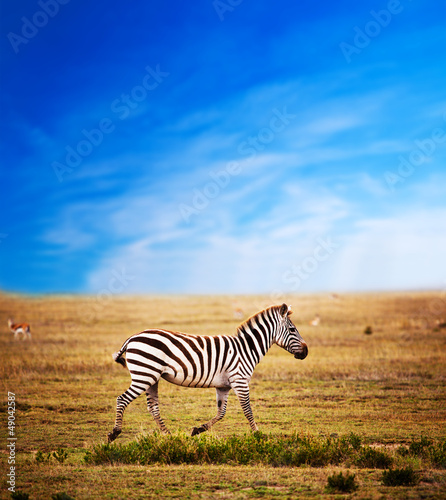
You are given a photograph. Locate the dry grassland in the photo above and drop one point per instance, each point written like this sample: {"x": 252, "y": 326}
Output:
{"x": 387, "y": 387}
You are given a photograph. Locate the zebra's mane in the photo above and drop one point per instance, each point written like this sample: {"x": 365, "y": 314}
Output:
{"x": 247, "y": 323}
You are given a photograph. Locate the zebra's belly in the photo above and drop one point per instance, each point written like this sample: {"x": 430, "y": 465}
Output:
{"x": 218, "y": 380}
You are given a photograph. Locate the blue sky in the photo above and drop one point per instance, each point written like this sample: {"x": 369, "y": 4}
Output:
{"x": 222, "y": 146}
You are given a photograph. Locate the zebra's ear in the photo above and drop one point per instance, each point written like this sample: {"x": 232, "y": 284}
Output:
{"x": 284, "y": 310}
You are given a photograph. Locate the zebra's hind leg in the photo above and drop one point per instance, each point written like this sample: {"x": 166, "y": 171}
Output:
{"x": 222, "y": 401}
{"x": 153, "y": 407}
{"x": 121, "y": 404}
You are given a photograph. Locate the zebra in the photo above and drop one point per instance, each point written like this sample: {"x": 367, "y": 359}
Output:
{"x": 222, "y": 361}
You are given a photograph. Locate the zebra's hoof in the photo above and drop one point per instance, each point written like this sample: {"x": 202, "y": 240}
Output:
{"x": 113, "y": 435}
{"x": 198, "y": 430}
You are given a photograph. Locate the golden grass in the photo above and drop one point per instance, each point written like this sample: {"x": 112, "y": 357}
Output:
{"x": 388, "y": 387}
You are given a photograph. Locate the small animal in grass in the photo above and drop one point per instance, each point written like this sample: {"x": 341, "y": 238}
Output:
{"x": 315, "y": 321}
{"x": 238, "y": 313}
{"x": 441, "y": 323}
{"x": 17, "y": 328}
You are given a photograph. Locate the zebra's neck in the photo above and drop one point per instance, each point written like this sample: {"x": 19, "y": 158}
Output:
{"x": 254, "y": 340}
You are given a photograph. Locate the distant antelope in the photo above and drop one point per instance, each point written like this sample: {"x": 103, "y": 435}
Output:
{"x": 238, "y": 313}
{"x": 17, "y": 328}
{"x": 315, "y": 321}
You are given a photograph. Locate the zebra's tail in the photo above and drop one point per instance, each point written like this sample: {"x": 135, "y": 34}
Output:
{"x": 117, "y": 356}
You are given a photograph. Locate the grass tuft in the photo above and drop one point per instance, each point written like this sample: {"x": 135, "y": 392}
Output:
{"x": 274, "y": 450}
{"x": 42, "y": 458}
{"x": 341, "y": 483}
{"x": 437, "y": 454}
{"x": 425, "y": 448}
{"x": 419, "y": 448}
{"x": 353, "y": 440}
{"x": 399, "y": 477}
{"x": 370, "y": 458}
{"x": 61, "y": 496}
{"x": 18, "y": 495}
{"x": 60, "y": 455}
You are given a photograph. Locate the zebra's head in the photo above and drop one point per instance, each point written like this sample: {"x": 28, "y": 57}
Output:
{"x": 288, "y": 337}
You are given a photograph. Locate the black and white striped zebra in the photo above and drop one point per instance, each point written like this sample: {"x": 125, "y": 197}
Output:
{"x": 222, "y": 361}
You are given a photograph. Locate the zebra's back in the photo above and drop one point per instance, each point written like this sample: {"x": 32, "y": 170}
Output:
{"x": 182, "y": 359}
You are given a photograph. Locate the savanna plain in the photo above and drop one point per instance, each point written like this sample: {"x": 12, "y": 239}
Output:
{"x": 363, "y": 416}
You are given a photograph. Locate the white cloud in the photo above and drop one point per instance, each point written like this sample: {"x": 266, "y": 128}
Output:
{"x": 254, "y": 231}
{"x": 267, "y": 218}
{"x": 402, "y": 251}
{"x": 232, "y": 246}
{"x": 333, "y": 124}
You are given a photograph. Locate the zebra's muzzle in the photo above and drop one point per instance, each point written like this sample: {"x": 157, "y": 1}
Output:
{"x": 302, "y": 354}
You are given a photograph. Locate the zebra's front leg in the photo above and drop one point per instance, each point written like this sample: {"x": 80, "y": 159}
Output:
{"x": 241, "y": 388}
{"x": 153, "y": 407}
{"x": 222, "y": 401}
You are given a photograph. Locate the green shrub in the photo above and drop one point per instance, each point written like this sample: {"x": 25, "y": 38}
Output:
{"x": 420, "y": 448}
{"x": 399, "y": 477}
{"x": 42, "y": 458}
{"x": 371, "y": 458}
{"x": 60, "y": 455}
{"x": 275, "y": 450}
{"x": 61, "y": 496}
{"x": 341, "y": 483}
{"x": 278, "y": 451}
{"x": 403, "y": 451}
{"x": 353, "y": 440}
{"x": 255, "y": 448}
{"x": 427, "y": 449}
{"x": 18, "y": 495}
{"x": 437, "y": 454}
